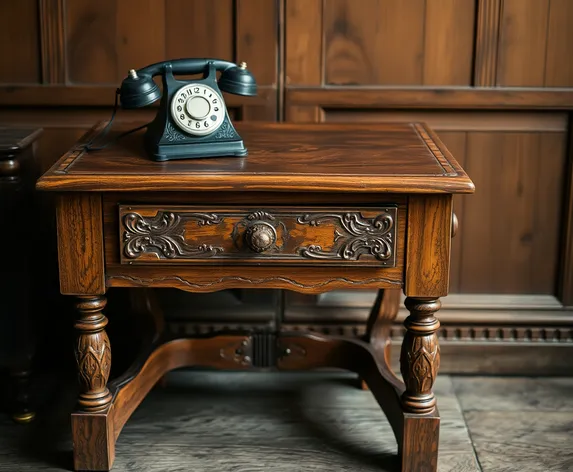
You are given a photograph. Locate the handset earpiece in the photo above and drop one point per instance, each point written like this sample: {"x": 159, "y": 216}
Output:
{"x": 238, "y": 81}
{"x": 138, "y": 90}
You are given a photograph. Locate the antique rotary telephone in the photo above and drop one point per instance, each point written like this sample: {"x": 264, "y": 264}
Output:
{"x": 192, "y": 120}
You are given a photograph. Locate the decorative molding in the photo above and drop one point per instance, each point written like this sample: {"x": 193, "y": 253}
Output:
{"x": 430, "y": 142}
{"x": 374, "y": 236}
{"x": 163, "y": 235}
{"x": 349, "y": 237}
{"x": 52, "y": 41}
{"x": 235, "y": 280}
{"x": 428, "y": 98}
{"x": 486, "y": 46}
{"x": 447, "y": 334}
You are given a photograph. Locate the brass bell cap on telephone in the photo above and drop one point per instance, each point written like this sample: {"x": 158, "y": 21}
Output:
{"x": 138, "y": 91}
{"x": 238, "y": 80}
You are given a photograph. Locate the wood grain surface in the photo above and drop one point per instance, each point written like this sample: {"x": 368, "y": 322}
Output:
{"x": 300, "y": 235}
{"x": 402, "y": 158}
{"x": 428, "y": 246}
{"x": 80, "y": 244}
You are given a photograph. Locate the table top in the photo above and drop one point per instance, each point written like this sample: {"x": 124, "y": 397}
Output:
{"x": 16, "y": 139}
{"x": 318, "y": 157}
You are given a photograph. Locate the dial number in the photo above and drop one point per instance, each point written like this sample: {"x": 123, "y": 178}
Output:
{"x": 197, "y": 109}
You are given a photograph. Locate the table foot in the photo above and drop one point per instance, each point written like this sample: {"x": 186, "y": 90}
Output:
{"x": 419, "y": 445}
{"x": 93, "y": 440}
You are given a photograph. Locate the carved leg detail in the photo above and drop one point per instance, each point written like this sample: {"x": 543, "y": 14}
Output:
{"x": 93, "y": 354}
{"x": 420, "y": 355}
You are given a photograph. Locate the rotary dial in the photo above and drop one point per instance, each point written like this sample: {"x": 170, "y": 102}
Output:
{"x": 197, "y": 109}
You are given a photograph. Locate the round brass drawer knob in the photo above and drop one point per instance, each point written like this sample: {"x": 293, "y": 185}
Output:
{"x": 260, "y": 236}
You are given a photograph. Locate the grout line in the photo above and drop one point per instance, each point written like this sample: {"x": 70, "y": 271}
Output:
{"x": 463, "y": 412}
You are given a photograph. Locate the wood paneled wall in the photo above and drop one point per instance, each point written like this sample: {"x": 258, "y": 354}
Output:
{"x": 493, "y": 77}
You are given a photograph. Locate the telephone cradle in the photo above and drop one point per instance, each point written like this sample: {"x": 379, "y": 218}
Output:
{"x": 192, "y": 120}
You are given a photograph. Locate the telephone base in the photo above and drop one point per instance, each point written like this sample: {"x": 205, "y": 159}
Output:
{"x": 167, "y": 152}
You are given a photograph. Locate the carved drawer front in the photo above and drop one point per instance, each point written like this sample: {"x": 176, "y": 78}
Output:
{"x": 184, "y": 234}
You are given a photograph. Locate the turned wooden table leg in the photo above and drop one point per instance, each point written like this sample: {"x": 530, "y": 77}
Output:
{"x": 92, "y": 432}
{"x": 419, "y": 363}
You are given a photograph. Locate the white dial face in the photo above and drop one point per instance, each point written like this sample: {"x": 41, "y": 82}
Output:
{"x": 197, "y": 109}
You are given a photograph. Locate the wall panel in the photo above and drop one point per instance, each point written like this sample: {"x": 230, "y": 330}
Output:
{"x": 495, "y": 80}
{"x": 398, "y": 42}
{"x": 535, "y": 36}
{"x": 19, "y": 42}
{"x": 510, "y": 235}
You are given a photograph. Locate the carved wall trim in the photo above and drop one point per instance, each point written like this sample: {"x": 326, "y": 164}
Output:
{"x": 490, "y": 334}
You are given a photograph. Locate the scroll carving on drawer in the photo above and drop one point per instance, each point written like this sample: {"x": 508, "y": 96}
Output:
{"x": 183, "y": 234}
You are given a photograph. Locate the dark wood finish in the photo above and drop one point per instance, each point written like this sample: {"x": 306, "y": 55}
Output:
{"x": 88, "y": 96}
{"x": 487, "y": 35}
{"x": 420, "y": 455}
{"x": 370, "y": 73}
{"x": 359, "y": 51}
{"x": 299, "y": 279}
{"x": 93, "y": 354}
{"x": 94, "y": 441}
{"x": 405, "y": 173}
{"x": 493, "y": 67}
{"x": 381, "y": 98}
{"x": 151, "y": 234}
{"x": 52, "y": 41}
{"x": 420, "y": 355}
{"x": 531, "y": 42}
{"x": 19, "y": 279}
{"x": 81, "y": 260}
{"x": 428, "y": 246}
{"x": 19, "y": 36}
{"x": 379, "y": 324}
{"x": 17, "y": 140}
{"x": 429, "y": 167}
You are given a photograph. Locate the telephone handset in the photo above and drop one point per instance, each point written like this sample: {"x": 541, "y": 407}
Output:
{"x": 192, "y": 120}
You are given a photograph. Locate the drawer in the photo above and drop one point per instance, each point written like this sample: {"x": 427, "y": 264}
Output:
{"x": 160, "y": 234}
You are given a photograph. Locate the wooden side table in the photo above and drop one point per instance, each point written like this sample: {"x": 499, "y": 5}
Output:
{"x": 18, "y": 173}
{"x": 312, "y": 208}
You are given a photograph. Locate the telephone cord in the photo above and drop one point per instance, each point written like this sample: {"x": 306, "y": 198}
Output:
{"x": 89, "y": 145}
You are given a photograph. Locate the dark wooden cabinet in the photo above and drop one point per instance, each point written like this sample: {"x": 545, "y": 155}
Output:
{"x": 21, "y": 285}
{"x": 493, "y": 77}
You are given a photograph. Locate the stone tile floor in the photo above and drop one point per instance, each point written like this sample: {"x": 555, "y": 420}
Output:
{"x": 238, "y": 422}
